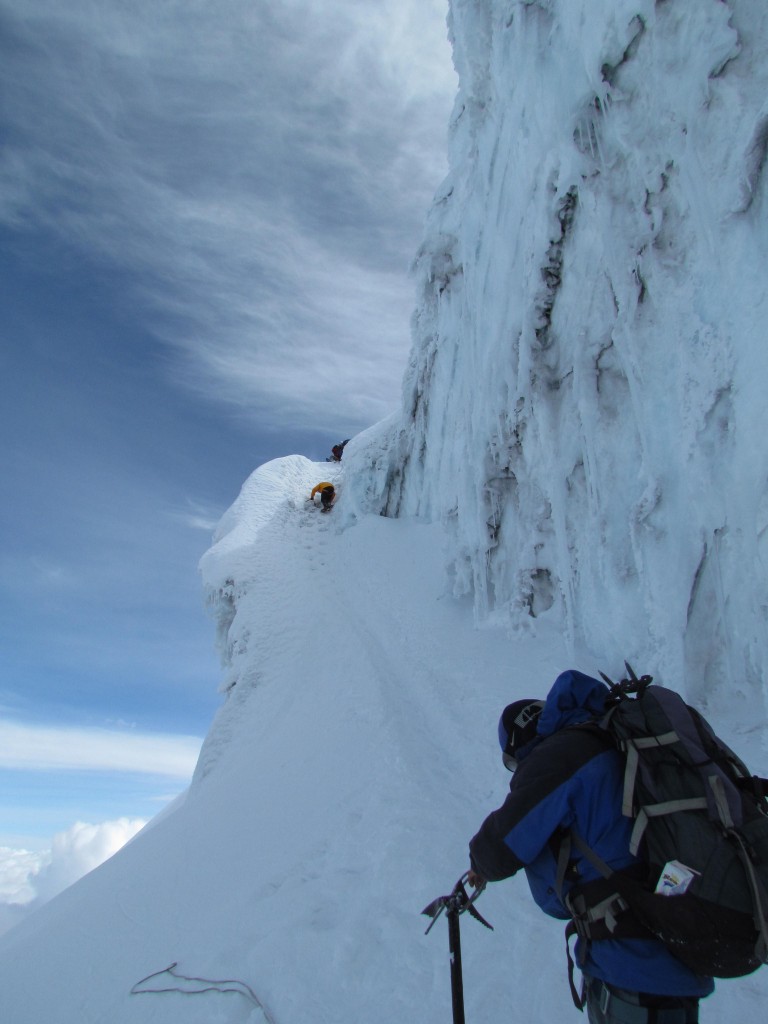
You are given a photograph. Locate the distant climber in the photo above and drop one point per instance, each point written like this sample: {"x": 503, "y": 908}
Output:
{"x": 327, "y": 495}
{"x": 337, "y": 451}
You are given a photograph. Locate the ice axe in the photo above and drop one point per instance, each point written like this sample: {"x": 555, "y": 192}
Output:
{"x": 455, "y": 905}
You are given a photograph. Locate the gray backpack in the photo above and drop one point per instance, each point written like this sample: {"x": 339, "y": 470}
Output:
{"x": 700, "y": 829}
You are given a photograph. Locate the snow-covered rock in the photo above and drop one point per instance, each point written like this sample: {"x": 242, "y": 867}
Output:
{"x": 584, "y": 402}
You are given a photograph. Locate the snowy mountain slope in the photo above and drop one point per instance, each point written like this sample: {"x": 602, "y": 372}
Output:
{"x": 334, "y": 796}
{"x": 352, "y": 759}
{"x": 591, "y": 329}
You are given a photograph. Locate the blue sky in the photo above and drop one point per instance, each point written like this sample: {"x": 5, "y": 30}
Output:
{"x": 207, "y": 214}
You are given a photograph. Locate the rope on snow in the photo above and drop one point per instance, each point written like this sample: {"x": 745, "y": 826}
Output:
{"x": 210, "y": 985}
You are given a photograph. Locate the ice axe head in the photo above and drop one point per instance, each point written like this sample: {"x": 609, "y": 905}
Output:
{"x": 456, "y": 902}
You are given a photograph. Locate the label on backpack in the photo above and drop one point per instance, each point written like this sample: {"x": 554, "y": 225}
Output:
{"x": 675, "y": 879}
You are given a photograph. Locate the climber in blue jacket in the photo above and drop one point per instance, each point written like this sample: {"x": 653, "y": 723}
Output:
{"x": 565, "y": 778}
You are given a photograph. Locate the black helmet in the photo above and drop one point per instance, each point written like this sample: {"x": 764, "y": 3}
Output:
{"x": 517, "y": 728}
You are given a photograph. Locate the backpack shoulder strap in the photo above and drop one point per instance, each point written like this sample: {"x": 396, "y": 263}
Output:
{"x": 594, "y": 859}
{"x": 595, "y": 918}
{"x": 606, "y": 909}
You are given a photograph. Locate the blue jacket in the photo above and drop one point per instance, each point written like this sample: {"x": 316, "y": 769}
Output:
{"x": 570, "y": 778}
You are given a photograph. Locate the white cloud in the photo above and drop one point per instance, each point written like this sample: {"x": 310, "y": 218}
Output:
{"x": 79, "y": 850}
{"x": 16, "y": 868}
{"x": 27, "y": 880}
{"x": 48, "y": 748}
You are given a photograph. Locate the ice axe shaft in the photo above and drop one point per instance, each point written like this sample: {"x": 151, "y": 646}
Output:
{"x": 454, "y": 906}
{"x": 457, "y": 978}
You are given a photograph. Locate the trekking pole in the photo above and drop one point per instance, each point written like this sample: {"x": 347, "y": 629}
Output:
{"x": 454, "y": 905}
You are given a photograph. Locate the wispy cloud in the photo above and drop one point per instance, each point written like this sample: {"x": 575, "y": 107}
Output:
{"x": 45, "y": 748}
{"x": 196, "y": 515}
{"x": 261, "y": 170}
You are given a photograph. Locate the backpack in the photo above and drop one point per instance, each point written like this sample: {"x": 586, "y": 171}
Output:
{"x": 700, "y": 831}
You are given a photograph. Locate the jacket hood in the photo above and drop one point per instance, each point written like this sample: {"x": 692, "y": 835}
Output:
{"x": 574, "y": 698}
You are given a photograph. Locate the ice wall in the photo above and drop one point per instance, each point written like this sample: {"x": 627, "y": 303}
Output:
{"x": 584, "y": 401}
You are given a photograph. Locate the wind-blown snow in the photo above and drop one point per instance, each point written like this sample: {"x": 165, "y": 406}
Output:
{"x": 580, "y": 446}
